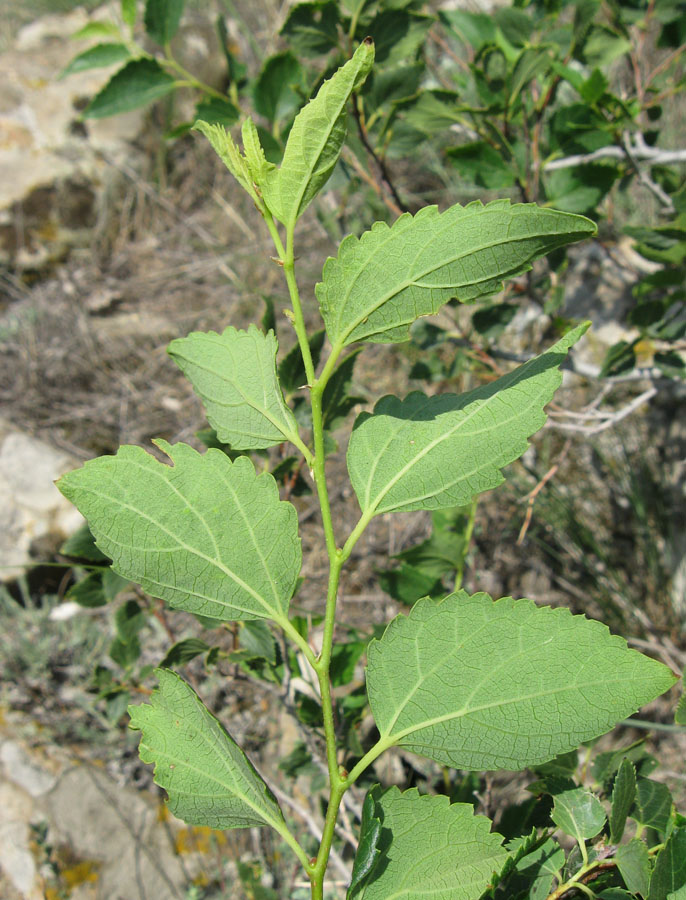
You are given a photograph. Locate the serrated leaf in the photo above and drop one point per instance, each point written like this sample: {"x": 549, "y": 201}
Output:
{"x": 97, "y": 58}
{"x": 207, "y": 535}
{"x": 578, "y": 813}
{"x": 633, "y": 863}
{"x": 368, "y": 846}
{"x": 669, "y": 874}
{"x": 653, "y": 804}
{"x": 432, "y": 452}
{"x": 430, "y": 848}
{"x": 380, "y": 283}
{"x": 140, "y": 82}
{"x": 315, "y": 141}
{"x": 477, "y": 684}
{"x": 162, "y": 19}
{"x": 208, "y": 778}
{"x": 623, "y": 795}
{"x": 234, "y": 374}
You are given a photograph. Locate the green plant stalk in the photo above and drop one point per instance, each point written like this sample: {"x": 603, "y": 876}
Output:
{"x": 189, "y": 79}
{"x": 467, "y": 541}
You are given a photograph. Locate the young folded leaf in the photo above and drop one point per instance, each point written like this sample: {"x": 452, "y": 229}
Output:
{"x": 234, "y": 373}
{"x": 207, "y": 776}
{"x": 315, "y": 141}
{"x": 223, "y": 145}
{"x": 429, "y": 848}
{"x": 207, "y": 535}
{"x": 477, "y": 684}
{"x": 380, "y": 283}
{"x": 432, "y": 452}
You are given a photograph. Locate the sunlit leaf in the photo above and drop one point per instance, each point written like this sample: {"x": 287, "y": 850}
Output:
{"x": 380, "y": 283}
{"x": 208, "y": 778}
{"x": 578, "y": 813}
{"x": 207, "y": 535}
{"x": 140, "y": 82}
{"x": 477, "y": 684}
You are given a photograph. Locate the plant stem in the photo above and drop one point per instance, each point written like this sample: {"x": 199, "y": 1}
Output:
{"x": 190, "y": 79}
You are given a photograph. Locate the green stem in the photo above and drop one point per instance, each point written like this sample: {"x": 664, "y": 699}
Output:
{"x": 190, "y": 79}
{"x": 467, "y": 541}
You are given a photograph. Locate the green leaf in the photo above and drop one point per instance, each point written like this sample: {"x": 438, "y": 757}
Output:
{"x": 311, "y": 28}
{"x": 619, "y": 358}
{"x": 88, "y": 592}
{"x": 207, "y": 535}
{"x": 481, "y": 164}
{"x": 653, "y": 805}
{"x": 579, "y": 189}
{"x": 140, "y": 82}
{"x": 257, "y": 639}
{"x": 112, "y": 583}
{"x": 669, "y": 874}
{"x": 397, "y": 34}
{"x": 540, "y": 867}
{"x": 633, "y": 863}
{"x": 368, "y": 846}
{"x": 234, "y": 374}
{"x": 344, "y": 659}
{"x": 481, "y": 685}
{"x": 98, "y": 30}
{"x": 278, "y": 91}
{"x": 314, "y": 142}
{"x": 82, "y": 546}
{"x": 183, "y": 651}
{"x": 128, "y": 620}
{"x": 128, "y": 12}
{"x": 430, "y": 849}
{"x": 408, "y": 583}
{"x": 578, "y": 813}
{"x": 680, "y": 711}
{"x": 671, "y": 363}
{"x": 162, "y": 18}
{"x": 292, "y": 368}
{"x": 336, "y": 401}
{"x": 475, "y": 29}
{"x": 97, "y": 58}
{"x": 623, "y": 795}
{"x": 431, "y": 452}
{"x": 208, "y": 778}
{"x": 380, "y": 283}
{"x": 217, "y": 112}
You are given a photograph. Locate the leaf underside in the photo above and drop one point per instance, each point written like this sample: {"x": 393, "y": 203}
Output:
{"x": 314, "y": 142}
{"x": 380, "y": 283}
{"x": 430, "y": 848}
{"x": 234, "y": 374}
{"x": 433, "y": 452}
{"x": 207, "y": 776}
{"x": 207, "y": 535}
{"x": 477, "y": 684}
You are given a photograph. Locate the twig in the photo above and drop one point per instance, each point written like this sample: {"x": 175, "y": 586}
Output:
{"x": 643, "y": 177}
{"x": 531, "y": 496}
{"x": 610, "y": 420}
{"x": 652, "y": 155}
{"x": 379, "y": 162}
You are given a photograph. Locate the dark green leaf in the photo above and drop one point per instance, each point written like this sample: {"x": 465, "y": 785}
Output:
{"x": 483, "y": 165}
{"x": 344, "y": 659}
{"x": 669, "y": 874}
{"x": 128, "y": 620}
{"x": 97, "y": 58}
{"x": 256, "y": 638}
{"x": 680, "y": 711}
{"x": 633, "y": 863}
{"x": 490, "y": 321}
{"x": 140, "y": 82}
{"x": 125, "y": 653}
{"x": 311, "y": 28}
{"x": 368, "y": 846}
{"x": 279, "y": 90}
{"x": 397, "y": 34}
{"x": 289, "y": 473}
{"x": 336, "y": 401}
{"x": 217, "y": 112}
{"x": 183, "y": 651}
{"x": 408, "y": 584}
{"x": 88, "y": 592}
{"x": 112, "y": 583}
{"x": 298, "y": 762}
{"x": 82, "y": 546}
{"x": 162, "y": 18}
{"x": 594, "y": 86}
{"x": 653, "y": 805}
{"x": 475, "y": 29}
{"x": 671, "y": 364}
{"x": 292, "y": 368}
{"x": 515, "y": 25}
{"x": 579, "y": 189}
{"x": 618, "y": 359}
{"x": 623, "y": 795}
